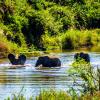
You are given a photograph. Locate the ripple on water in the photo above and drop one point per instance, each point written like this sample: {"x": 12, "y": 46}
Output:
{"x": 33, "y": 80}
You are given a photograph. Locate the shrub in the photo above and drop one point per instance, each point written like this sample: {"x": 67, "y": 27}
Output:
{"x": 74, "y": 39}
{"x": 51, "y": 42}
{"x": 88, "y": 75}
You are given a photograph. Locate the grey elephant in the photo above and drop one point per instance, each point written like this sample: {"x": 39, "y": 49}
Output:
{"x": 82, "y": 55}
{"x": 19, "y": 61}
{"x": 46, "y": 61}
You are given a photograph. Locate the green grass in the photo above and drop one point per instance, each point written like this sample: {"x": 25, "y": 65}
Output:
{"x": 57, "y": 95}
{"x": 44, "y": 95}
{"x": 74, "y": 39}
{"x": 53, "y": 95}
{"x": 95, "y": 96}
{"x": 20, "y": 97}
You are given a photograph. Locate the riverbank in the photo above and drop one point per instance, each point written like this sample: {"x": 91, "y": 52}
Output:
{"x": 40, "y": 53}
{"x": 70, "y": 40}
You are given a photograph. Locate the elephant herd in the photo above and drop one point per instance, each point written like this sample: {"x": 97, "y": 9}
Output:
{"x": 46, "y": 61}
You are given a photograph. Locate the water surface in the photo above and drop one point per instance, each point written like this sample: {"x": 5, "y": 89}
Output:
{"x": 32, "y": 80}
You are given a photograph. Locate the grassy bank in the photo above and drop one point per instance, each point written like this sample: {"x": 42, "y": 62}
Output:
{"x": 70, "y": 40}
{"x": 73, "y": 40}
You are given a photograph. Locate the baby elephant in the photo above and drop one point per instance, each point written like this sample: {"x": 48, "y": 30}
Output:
{"x": 46, "y": 61}
{"x": 82, "y": 55}
{"x": 17, "y": 61}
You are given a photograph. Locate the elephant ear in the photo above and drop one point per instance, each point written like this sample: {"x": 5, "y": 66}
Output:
{"x": 11, "y": 57}
{"x": 22, "y": 59}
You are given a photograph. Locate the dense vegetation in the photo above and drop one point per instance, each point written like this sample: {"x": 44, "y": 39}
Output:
{"x": 48, "y": 24}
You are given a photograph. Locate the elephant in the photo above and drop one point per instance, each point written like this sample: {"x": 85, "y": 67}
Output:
{"x": 82, "y": 55}
{"x": 20, "y": 61}
{"x": 46, "y": 61}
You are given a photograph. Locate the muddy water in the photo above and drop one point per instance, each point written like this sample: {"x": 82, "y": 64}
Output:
{"x": 30, "y": 80}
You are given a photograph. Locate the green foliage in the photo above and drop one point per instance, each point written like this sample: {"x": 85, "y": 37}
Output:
{"x": 51, "y": 42}
{"x": 53, "y": 95}
{"x": 7, "y": 46}
{"x": 68, "y": 2}
{"x": 90, "y": 78}
{"x": 26, "y": 21}
{"x": 44, "y": 95}
{"x": 74, "y": 39}
{"x": 95, "y": 96}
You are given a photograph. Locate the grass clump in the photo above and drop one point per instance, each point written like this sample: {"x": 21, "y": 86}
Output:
{"x": 19, "y": 97}
{"x": 53, "y": 95}
{"x": 74, "y": 39}
{"x": 44, "y": 95}
{"x": 95, "y": 96}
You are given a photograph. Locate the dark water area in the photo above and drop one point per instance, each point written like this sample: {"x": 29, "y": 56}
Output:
{"x": 32, "y": 80}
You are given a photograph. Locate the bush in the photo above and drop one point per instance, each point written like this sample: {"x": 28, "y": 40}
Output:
{"x": 89, "y": 76}
{"x": 74, "y": 39}
{"x": 7, "y": 46}
{"x": 51, "y": 42}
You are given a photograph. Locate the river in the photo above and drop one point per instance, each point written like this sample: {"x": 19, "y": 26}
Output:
{"x": 30, "y": 80}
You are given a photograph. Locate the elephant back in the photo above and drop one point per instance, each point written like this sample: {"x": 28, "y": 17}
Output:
{"x": 79, "y": 56}
{"x": 55, "y": 62}
{"x": 47, "y": 61}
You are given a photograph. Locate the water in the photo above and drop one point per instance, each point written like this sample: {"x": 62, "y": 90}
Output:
{"x": 32, "y": 80}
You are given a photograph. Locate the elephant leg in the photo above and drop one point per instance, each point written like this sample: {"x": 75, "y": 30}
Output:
{"x": 40, "y": 61}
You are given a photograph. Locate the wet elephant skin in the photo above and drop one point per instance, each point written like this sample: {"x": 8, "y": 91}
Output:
{"x": 46, "y": 61}
{"x": 20, "y": 61}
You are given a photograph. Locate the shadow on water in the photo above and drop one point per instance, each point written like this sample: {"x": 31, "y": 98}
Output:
{"x": 33, "y": 80}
